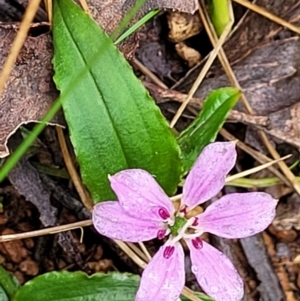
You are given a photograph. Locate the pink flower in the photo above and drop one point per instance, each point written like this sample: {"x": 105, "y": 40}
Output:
{"x": 144, "y": 212}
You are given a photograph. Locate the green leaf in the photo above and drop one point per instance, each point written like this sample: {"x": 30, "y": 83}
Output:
{"x": 207, "y": 124}
{"x": 114, "y": 124}
{"x": 77, "y": 286}
{"x": 219, "y": 14}
{"x": 8, "y": 284}
{"x": 137, "y": 25}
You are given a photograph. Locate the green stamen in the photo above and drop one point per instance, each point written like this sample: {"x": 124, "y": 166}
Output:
{"x": 178, "y": 225}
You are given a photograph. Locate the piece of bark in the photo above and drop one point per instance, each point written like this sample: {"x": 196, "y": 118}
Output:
{"x": 279, "y": 262}
{"x": 67, "y": 242}
{"x": 10, "y": 11}
{"x": 65, "y": 198}
{"x": 258, "y": 258}
{"x": 256, "y": 29}
{"x": 268, "y": 76}
{"x": 13, "y": 10}
{"x": 27, "y": 182}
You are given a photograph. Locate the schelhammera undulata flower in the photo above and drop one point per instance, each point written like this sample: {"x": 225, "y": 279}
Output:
{"x": 143, "y": 212}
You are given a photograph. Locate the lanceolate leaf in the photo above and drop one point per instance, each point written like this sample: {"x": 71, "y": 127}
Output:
{"x": 114, "y": 124}
{"x": 206, "y": 126}
{"x": 77, "y": 286}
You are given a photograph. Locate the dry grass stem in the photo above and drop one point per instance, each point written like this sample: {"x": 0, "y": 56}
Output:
{"x": 288, "y": 173}
{"x": 52, "y": 230}
{"x": 269, "y": 15}
{"x": 18, "y": 42}
{"x": 138, "y": 251}
{"x": 144, "y": 249}
{"x": 148, "y": 73}
{"x": 85, "y": 6}
{"x": 261, "y": 158}
{"x": 125, "y": 248}
{"x": 48, "y": 6}
{"x": 203, "y": 72}
{"x": 254, "y": 170}
{"x": 84, "y": 196}
{"x": 221, "y": 55}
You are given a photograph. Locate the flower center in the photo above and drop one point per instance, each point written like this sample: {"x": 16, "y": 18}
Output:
{"x": 178, "y": 225}
{"x": 181, "y": 228}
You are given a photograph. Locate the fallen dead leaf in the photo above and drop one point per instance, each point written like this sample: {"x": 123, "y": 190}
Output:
{"x": 190, "y": 55}
{"x": 29, "y": 91}
{"x": 183, "y": 26}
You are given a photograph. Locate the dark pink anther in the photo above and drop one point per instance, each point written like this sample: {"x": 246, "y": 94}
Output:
{"x": 161, "y": 233}
{"x": 183, "y": 210}
{"x": 197, "y": 243}
{"x": 168, "y": 252}
{"x": 196, "y": 222}
{"x": 163, "y": 213}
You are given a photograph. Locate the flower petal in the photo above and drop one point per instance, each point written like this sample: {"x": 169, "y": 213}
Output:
{"x": 238, "y": 215}
{"x": 164, "y": 278}
{"x": 140, "y": 195}
{"x": 215, "y": 273}
{"x": 112, "y": 221}
{"x": 207, "y": 176}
